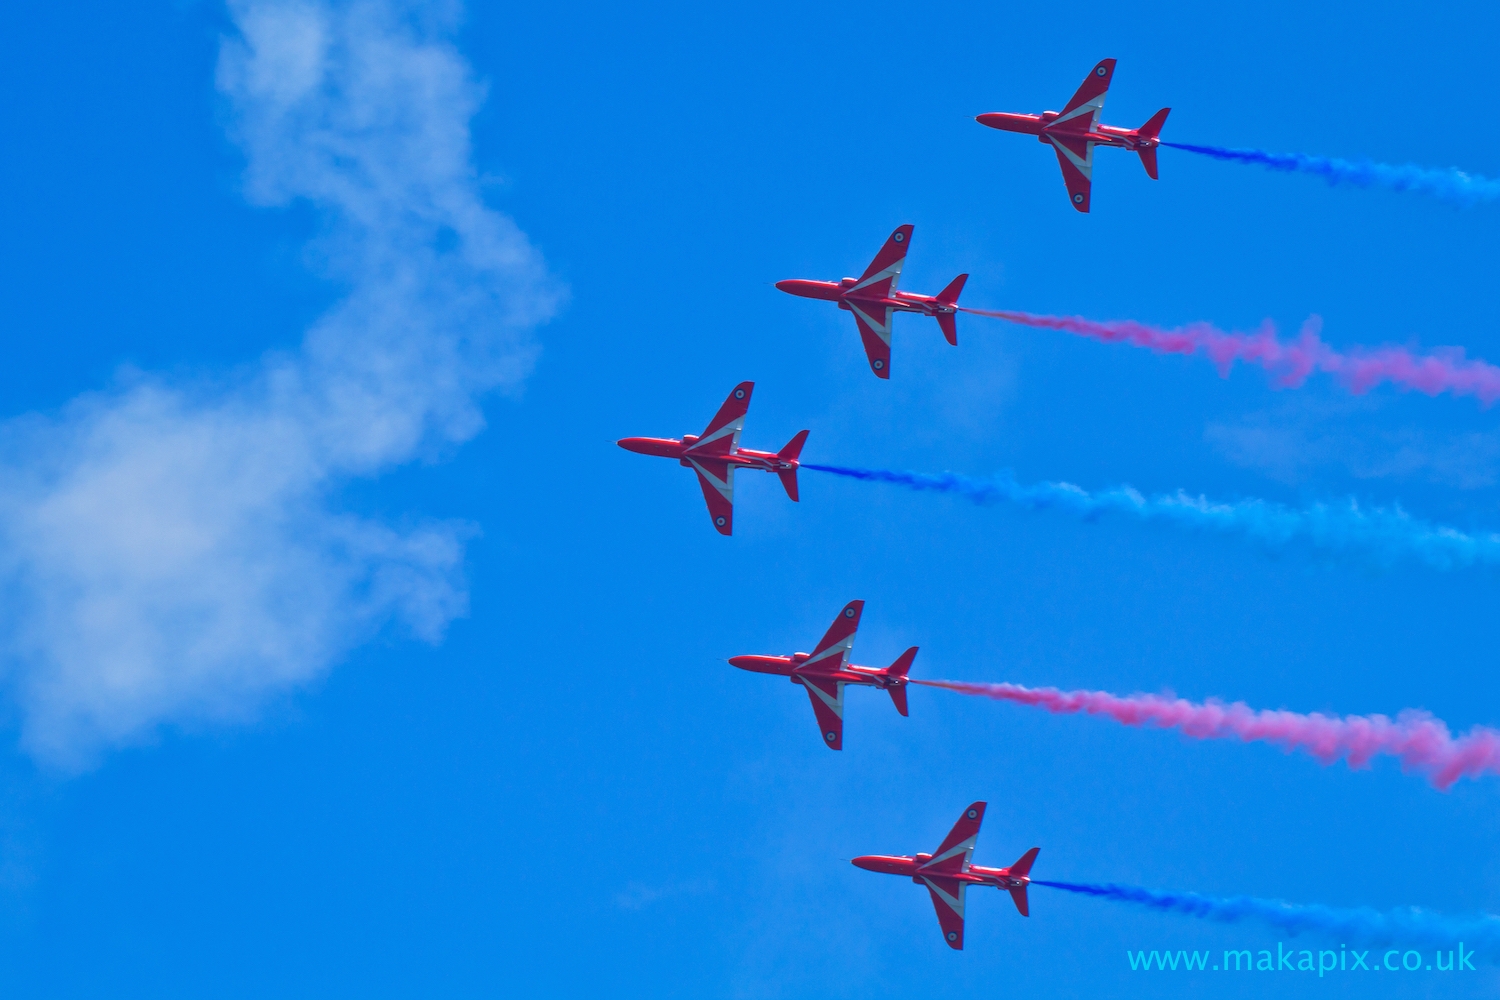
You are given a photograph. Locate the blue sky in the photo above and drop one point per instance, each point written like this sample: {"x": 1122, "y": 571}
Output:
{"x": 346, "y": 654}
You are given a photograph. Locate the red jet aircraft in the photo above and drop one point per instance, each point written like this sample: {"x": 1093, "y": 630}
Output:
{"x": 1075, "y": 131}
{"x": 826, "y": 670}
{"x": 716, "y": 454}
{"x": 947, "y": 873}
{"x": 873, "y": 299}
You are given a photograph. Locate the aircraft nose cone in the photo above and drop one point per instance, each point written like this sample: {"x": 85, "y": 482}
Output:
{"x": 743, "y": 662}
{"x": 641, "y": 446}
{"x": 786, "y": 285}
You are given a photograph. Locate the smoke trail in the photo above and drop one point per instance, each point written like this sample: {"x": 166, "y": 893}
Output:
{"x": 1410, "y": 926}
{"x": 1420, "y": 742}
{"x": 1376, "y": 536}
{"x": 1289, "y": 363}
{"x": 1449, "y": 184}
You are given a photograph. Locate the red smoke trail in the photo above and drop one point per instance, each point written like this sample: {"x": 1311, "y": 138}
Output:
{"x": 1422, "y": 743}
{"x": 1289, "y": 362}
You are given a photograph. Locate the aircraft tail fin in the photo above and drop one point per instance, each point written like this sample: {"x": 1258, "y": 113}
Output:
{"x": 790, "y": 453}
{"x": 1151, "y": 130}
{"x": 949, "y": 297}
{"x": 1022, "y": 867}
{"x": 899, "y": 669}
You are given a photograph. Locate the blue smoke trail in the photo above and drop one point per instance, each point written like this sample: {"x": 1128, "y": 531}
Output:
{"x": 1375, "y": 536}
{"x": 1449, "y": 184}
{"x": 1366, "y": 926}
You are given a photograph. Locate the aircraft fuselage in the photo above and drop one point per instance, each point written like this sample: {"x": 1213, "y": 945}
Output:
{"x": 910, "y": 866}
{"x": 791, "y": 667}
{"x": 677, "y": 448}
{"x": 1040, "y": 125}
{"x": 838, "y": 291}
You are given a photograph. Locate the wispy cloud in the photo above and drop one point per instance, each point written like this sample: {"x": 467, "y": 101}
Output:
{"x": 638, "y": 895}
{"x": 1294, "y": 442}
{"x": 172, "y": 552}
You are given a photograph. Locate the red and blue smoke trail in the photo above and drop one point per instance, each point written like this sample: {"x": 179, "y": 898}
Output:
{"x": 1372, "y": 536}
{"x": 1361, "y": 926}
{"x": 1420, "y": 742}
{"x": 1449, "y": 184}
{"x": 1289, "y": 362}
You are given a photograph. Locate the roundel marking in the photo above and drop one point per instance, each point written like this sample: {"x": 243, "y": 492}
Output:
{"x": 952, "y": 936}
{"x": 1101, "y": 71}
{"x": 898, "y": 236}
{"x": 832, "y": 737}
{"x": 878, "y": 364}
{"x": 848, "y": 612}
{"x": 972, "y": 814}
{"x": 1078, "y": 199}
{"x": 719, "y": 521}
{"x": 739, "y": 394}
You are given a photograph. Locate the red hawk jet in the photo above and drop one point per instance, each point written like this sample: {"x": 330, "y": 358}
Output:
{"x": 1075, "y": 131}
{"x": 716, "y": 454}
{"x": 873, "y": 299}
{"x": 946, "y": 873}
{"x": 826, "y": 670}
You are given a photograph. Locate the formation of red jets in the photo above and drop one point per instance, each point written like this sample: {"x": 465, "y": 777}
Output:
{"x": 873, "y": 300}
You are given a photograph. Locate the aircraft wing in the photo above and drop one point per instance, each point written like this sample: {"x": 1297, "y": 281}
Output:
{"x": 879, "y": 279}
{"x": 1076, "y": 157}
{"x": 722, "y": 435}
{"x": 952, "y": 855}
{"x": 1088, "y": 100}
{"x": 874, "y": 324}
{"x": 828, "y": 705}
{"x": 948, "y": 901}
{"x": 716, "y": 476}
{"x": 832, "y": 651}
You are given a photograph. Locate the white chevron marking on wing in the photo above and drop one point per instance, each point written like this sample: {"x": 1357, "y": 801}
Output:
{"x": 955, "y": 903}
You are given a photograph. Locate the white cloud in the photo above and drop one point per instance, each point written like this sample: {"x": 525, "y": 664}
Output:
{"x": 170, "y": 551}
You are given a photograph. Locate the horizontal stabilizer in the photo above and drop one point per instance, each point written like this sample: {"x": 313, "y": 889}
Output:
{"x": 1023, "y": 866}
{"x": 1148, "y": 160}
{"x": 903, "y": 663}
{"x": 793, "y": 449}
{"x": 789, "y": 482}
{"x": 1153, "y": 125}
{"x": 949, "y": 295}
{"x": 898, "y": 697}
{"x": 947, "y": 322}
{"x": 1019, "y": 895}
